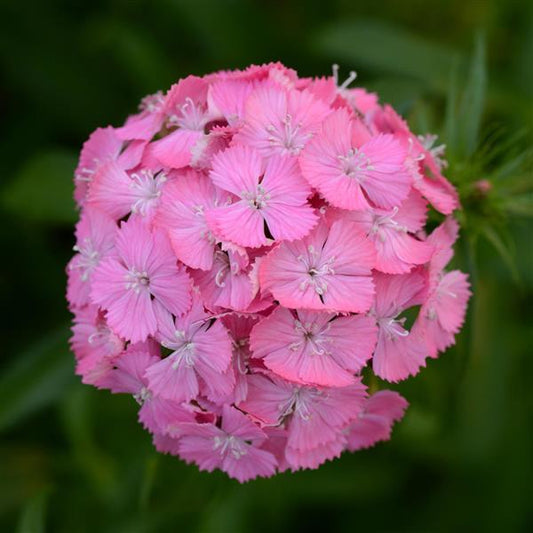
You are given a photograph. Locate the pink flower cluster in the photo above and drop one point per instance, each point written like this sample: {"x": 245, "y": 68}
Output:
{"x": 248, "y": 243}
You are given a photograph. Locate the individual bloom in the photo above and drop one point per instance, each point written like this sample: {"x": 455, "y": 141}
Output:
{"x": 95, "y": 236}
{"x": 102, "y": 145}
{"x": 330, "y": 270}
{"x": 352, "y": 170}
{"x": 374, "y": 422}
{"x": 271, "y": 198}
{"x": 443, "y": 312}
{"x": 314, "y": 417}
{"x": 181, "y": 213}
{"x": 313, "y": 347}
{"x": 144, "y": 125}
{"x": 234, "y": 447}
{"x": 143, "y": 272}
{"x": 157, "y": 414}
{"x": 93, "y": 343}
{"x": 279, "y": 121}
{"x": 186, "y": 111}
{"x": 392, "y": 231}
{"x": 399, "y": 353}
{"x": 201, "y": 350}
{"x": 227, "y": 285}
{"x": 239, "y": 327}
{"x": 226, "y": 97}
{"x": 421, "y": 163}
{"x": 117, "y": 193}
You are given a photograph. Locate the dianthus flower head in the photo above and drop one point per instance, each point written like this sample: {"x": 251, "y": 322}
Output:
{"x": 249, "y": 243}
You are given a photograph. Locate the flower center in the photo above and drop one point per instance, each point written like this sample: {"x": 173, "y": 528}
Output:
{"x": 393, "y": 327}
{"x": 256, "y": 199}
{"x": 147, "y": 189}
{"x": 137, "y": 281}
{"x": 229, "y": 444}
{"x": 87, "y": 259}
{"x": 315, "y": 269}
{"x": 289, "y": 136}
{"x": 192, "y": 116}
{"x": 311, "y": 336}
{"x": 355, "y": 164}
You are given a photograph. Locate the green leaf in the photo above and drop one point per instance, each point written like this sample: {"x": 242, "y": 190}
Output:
{"x": 42, "y": 189}
{"x": 471, "y": 109}
{"x": 38, "y": 378}
{"x": 386, "y": 48}
{"x": 32, "y": 517}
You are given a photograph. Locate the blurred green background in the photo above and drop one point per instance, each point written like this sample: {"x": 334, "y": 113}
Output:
{"x": 74, "y": 459}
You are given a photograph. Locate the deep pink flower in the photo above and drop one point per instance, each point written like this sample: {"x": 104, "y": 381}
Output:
{"x": 143, "y": 272}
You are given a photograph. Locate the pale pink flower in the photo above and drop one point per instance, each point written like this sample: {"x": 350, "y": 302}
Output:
{"x": 95, "y": 237}
{"x": 94, "y": 344}
{"x": 271, "y": 198}
{"x": 239, "y": 327}
{"x": 314, "y": 348}
{"x": 186, "y": 111}
{"x": 228, "y": 284}
{"x": 422, "y": 164}
{"x": 157, "y": 414}
{"x": 277, "y": 121}
{"x": 251, "y": 246}
{"x": 393, "y": 231}
{"x": 200, "y": 357}
{"x": 181, "y": 212}
{"x": 354, "y": 171}
{"x": 102, "y": 145}
{"x": 314, "y": 417}
{"x": 330, "y": 270}
{"x": 143, "y": 271}
{"x": 374, "y": 422}
{"x": 234, "y": 447}
{"x": 399, "y": 352}
{"x": 118, "y": 193}
{"x": 443, "y": 312}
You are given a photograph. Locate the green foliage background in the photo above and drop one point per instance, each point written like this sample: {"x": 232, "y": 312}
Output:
{"x": 73, "y": 459}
